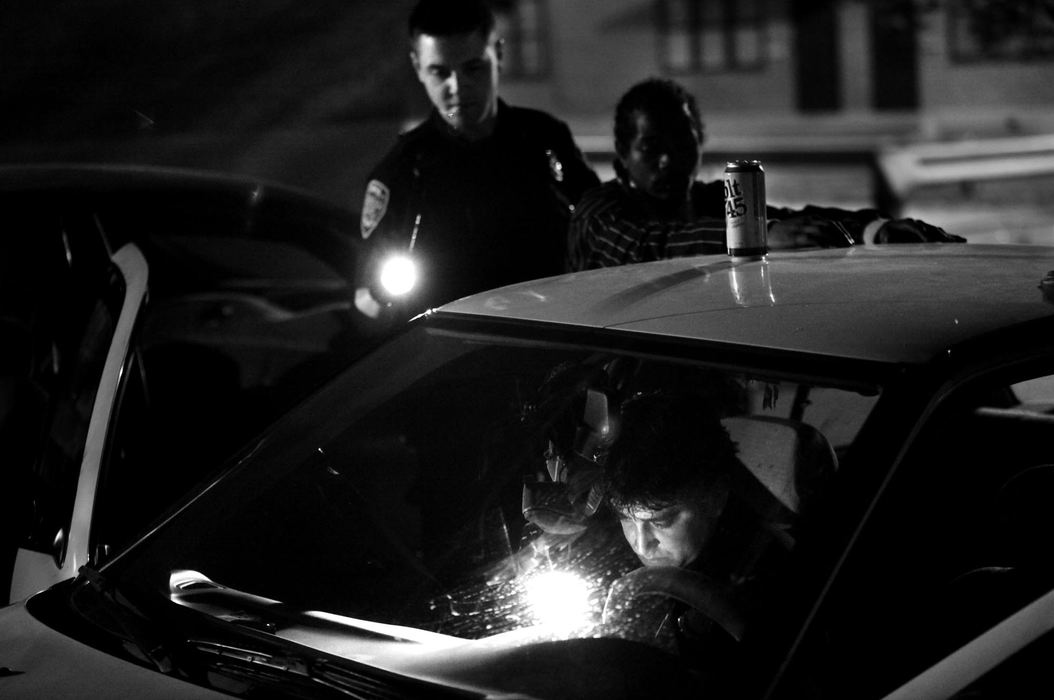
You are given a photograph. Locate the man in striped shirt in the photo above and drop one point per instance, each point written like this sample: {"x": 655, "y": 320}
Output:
{"x": 657, "y": 209}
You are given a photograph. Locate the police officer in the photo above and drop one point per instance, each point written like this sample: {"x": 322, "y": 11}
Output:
{"x": 480, "y": 193}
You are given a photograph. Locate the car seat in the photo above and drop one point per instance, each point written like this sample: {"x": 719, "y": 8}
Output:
{"x": 790, "y": 459}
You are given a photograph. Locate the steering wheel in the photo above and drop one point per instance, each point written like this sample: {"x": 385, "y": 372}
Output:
{"x": 699, "y": 591}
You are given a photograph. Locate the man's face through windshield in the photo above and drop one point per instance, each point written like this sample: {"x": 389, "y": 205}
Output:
{"x": 667, "y": 476}
{"x": 676, "y": 534}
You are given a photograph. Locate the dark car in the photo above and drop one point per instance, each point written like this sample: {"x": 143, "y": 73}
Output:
{"x": 151, "y": 322}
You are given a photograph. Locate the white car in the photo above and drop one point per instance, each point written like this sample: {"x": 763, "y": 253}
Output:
{"x": 152, "y": 321}
{"x": 441, "y": 519}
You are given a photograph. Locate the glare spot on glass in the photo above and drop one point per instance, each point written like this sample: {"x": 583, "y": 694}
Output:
{"x": 559, "y": 600}
{"x": 497, "y": 303}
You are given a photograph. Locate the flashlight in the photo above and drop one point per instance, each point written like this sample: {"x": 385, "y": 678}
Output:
{"x": 398, "y": 275}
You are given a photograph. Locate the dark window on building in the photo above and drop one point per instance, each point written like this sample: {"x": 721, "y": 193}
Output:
{"x": 523, "y": 24}
{"x": 1001, "y": 30}
{"x": 712, "y": 35}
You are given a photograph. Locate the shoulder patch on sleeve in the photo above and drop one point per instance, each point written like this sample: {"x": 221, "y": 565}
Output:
{"x": 374, "y": 207}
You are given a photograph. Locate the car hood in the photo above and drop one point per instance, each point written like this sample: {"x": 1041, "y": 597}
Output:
{"x": 39, "y": 662}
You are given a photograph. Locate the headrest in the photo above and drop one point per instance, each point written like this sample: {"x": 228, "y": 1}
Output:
{"x": 788, "y": 457}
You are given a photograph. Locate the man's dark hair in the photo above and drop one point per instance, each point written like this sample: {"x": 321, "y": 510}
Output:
{"x": 653, "y": 96}
{"x": 450, "y": 17}
{"x": 667, "y": 446}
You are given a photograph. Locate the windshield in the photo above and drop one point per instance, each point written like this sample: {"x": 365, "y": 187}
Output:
{"x": 457, "y": 492}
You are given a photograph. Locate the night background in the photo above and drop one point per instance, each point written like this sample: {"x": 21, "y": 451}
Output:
{"x": 224, "y": 86}
{"x": 311, "y": 94}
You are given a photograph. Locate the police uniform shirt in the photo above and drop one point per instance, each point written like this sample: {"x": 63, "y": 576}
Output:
{"x": 487, "y": 213}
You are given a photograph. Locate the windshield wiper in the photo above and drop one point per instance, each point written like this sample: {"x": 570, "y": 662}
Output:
{"x": 285, "y": 667}
{"x": 243, "y": 647}
{"x": 241, "y": 661}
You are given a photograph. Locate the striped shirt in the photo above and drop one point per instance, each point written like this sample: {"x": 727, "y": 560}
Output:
{"x": 611, "y": 226}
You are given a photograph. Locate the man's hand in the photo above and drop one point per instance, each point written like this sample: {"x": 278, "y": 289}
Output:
{"x": 807, "y": 231}
{"x": 366, "y": 304}
{"x": 913, "y": 231}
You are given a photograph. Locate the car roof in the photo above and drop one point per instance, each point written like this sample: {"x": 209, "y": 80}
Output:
{"x": 892, "y": 303}
{"x": 100, "y": 178}
{"x": 178, "y": 215}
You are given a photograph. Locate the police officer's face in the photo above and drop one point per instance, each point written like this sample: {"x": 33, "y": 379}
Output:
{"x": 674, "y": 535}
{"x": 662, "y": 160}
{"x": 460, "y": 74}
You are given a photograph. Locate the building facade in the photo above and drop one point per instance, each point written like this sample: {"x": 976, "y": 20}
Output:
{"x": 930, "y": 66}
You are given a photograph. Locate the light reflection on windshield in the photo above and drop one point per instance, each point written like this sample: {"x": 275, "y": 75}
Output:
{"x": 560, "y": 600}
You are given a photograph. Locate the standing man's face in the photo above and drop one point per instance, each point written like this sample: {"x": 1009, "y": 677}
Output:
{"x": 662, "y": 160}
{"x": 460, "y": 74}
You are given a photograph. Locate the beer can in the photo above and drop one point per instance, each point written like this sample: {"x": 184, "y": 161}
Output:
{"x": 745, "y": 220}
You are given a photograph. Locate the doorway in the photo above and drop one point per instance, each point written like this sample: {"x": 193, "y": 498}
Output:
{"x": 894, "y": 52}
{"x": 817, "y": 64}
